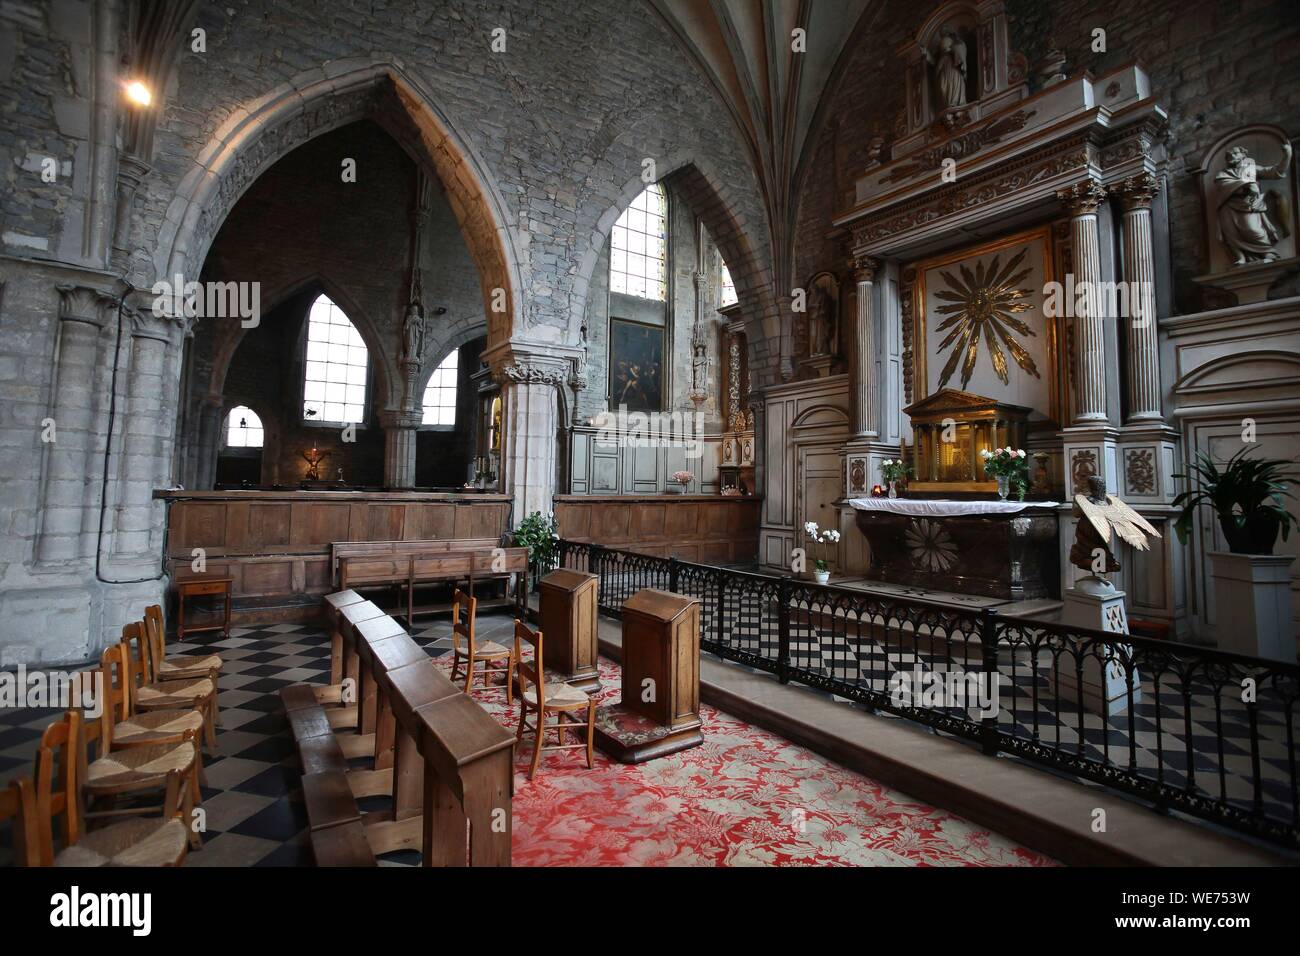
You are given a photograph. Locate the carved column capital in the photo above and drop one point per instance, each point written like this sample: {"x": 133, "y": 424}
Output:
{"x": 1136, "y": 192}
{"x": 535, "y": 364}
{"x": 79, "y": 303}
{"x": 864, "y": 268}
{"x": 1083, "y": 198}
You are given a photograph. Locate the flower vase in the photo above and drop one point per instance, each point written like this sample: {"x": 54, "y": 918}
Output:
{"x": 822, "y": 576}
{"x": 893, "y": 492}
{"x": 1004, "y": 486}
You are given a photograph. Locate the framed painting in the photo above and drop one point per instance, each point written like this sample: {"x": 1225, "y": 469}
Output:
{"x": 636, "y": 366}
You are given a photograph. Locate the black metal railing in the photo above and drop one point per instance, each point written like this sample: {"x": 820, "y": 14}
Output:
{"x": 1192, "y": 729}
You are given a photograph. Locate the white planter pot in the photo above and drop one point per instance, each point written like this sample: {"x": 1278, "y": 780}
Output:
{"x": 823, "y": 577}
{"x": 1252, "y": 604}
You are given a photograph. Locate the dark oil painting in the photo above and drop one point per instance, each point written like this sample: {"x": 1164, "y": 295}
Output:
{"x": 636, "y": 366}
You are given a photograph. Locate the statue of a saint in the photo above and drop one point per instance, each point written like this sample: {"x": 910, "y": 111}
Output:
{"x": 413, "y": 334}
{"x": 949, "y": 66}
{"x": 1245, "y": 228}
{"x": 822, "y": 322}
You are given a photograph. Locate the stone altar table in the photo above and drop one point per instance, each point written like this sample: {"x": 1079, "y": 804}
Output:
{"x": 1001, "y": 549}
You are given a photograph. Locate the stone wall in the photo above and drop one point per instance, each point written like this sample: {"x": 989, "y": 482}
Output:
{"x": 539, "y": 146}
{"x": 1213, "y": 66}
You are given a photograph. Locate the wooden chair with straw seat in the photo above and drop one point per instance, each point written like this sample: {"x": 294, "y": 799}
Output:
{"x": 495, "y": 658}
{"x": 117, "y": 728}
{"x": 134, "y": 773}
{"x": 544, "y": 697}
{"x": 157, "y": 841}
{"x": 176, "y": 666}
{"x": 150, "y": 694}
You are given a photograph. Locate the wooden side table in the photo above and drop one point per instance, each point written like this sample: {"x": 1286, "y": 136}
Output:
{"x": 203, "y": 587}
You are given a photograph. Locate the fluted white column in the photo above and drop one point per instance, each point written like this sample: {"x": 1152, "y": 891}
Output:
{"x": 1082, "y": 200}
{"x": 866, "y": 415}
{"x": 1143, "y": 394}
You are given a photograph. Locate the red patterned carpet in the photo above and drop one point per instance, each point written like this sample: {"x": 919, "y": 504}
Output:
{"x": 744, "y": 798}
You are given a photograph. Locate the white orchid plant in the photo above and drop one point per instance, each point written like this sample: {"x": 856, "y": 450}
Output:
{"x": 1011, "y": 463}
{"x": 815, "y": 536}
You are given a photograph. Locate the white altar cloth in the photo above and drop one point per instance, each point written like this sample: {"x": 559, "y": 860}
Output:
{"x": 942, "y": 507}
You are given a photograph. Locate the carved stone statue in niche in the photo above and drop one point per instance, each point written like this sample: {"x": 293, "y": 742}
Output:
{"x": 413, "y": 334}
{"x": 948, "y": 64}
{"x": 823, "y": 318}
{"x": 1251, "y": 220}
{"x": 1245, "y": 227}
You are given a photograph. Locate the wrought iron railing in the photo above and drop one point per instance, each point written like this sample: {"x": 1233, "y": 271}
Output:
{"x": 1191, "y": 729}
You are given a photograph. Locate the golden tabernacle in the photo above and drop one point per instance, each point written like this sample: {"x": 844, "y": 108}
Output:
{"x": 951, "y": 427}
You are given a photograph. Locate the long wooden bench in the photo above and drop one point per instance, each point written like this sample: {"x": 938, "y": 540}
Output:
{"x": 419, "y": 741}
{"x": 340, "y": 550}
{"x": 411, "y": 571}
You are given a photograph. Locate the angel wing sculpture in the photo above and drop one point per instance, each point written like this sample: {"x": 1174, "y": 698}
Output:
{"x": 1099, "y": 516}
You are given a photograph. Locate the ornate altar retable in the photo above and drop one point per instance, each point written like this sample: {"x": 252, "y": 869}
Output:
{"x": 1000, "y": 549}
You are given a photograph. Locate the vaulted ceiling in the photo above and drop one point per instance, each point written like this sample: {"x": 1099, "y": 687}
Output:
{"x": 746, "y": 50}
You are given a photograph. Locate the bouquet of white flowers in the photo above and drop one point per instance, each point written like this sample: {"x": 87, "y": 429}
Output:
{"x": 816, "y": 536}
{"x": 1011, "y": 464}
{"x": 895, "y": 469}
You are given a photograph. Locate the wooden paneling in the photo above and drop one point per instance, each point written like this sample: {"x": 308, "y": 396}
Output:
{"x": 276, "y": 545}
{"x": 709, "y": 529}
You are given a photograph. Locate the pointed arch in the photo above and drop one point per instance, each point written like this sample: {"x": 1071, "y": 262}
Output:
{"x": 315, "y": 102}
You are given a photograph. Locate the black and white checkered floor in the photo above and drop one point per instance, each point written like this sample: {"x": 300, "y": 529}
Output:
{"x": 255, "y": 815}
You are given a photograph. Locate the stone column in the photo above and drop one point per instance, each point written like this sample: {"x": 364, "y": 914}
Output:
{"x": 67, "y": 487}
{"x": 209, "y": 431}
{"x": 1082, "y": 200}
{"x": 141, "y": 427}
{"x": 530, "y": 375}
{"x": 529, "y": 410}
{"x": 866, "y": 414}
{"x": 400, "y": 432}
{"x": 1135, "y": 195}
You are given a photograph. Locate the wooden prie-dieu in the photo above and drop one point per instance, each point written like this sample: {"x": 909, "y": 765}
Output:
{"x": 659, "y": 712}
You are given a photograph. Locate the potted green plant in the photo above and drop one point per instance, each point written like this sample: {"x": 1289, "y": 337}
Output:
{"x": 1252, "y": 586}
{"x": 537, "y": 534}
{"x": 1246, "y": 496}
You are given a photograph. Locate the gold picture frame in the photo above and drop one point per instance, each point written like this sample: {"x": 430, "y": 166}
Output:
{"x": 1053, "y": 329}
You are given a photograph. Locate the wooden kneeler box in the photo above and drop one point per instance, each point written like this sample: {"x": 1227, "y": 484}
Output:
{"x": 569, "y": 621}
{"x": 661, "y": 644}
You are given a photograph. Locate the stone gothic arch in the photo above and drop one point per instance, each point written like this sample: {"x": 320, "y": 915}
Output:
{"x": 323, "y": 99}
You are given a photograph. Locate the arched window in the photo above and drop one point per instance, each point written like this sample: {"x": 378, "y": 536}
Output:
{"x": 440, "y": 393}
{"x": 243, "y": 428}
{"x": 638, "y": 257}
{"x": 334, "y": 375}
{"x": 726, "y": 289}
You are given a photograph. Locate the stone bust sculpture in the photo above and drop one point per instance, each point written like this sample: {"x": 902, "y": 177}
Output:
{"x": 1244, "y": 224}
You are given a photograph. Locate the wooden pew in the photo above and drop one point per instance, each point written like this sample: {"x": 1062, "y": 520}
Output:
{"x": 333, "y": 604}
{"x": 406, "y": 691}
{"x": 468, "y": 776}
{"x": 334, "y": 820}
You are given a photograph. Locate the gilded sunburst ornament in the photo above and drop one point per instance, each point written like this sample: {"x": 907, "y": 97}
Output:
{"x": 985, "y": 303}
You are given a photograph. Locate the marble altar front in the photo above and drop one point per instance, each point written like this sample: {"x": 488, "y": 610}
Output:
{"x": 1001, "y": 549}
